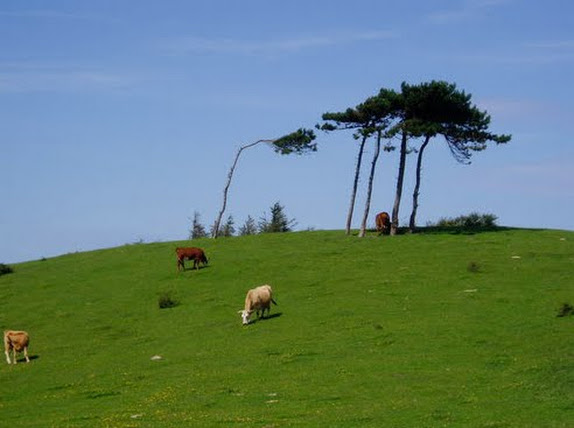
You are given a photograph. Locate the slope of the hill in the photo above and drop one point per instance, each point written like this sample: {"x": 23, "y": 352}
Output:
{"x": 416, "y": 330}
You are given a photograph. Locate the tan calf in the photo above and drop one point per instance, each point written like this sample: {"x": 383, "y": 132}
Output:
{"x": 16, "y": 341}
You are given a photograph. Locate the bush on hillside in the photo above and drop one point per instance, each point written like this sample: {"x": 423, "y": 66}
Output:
{"x": 471, "y": 221}
{"x": 5, "y": 269}
{"x": 565, "y": 310}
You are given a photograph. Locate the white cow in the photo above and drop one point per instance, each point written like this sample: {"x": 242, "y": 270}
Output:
{"x": 16, "y": 341}
{"x": 257, "y": 299}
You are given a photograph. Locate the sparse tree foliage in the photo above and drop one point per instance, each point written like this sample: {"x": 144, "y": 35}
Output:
{"x": 197, "y": 229}
{"x": 249, "y": 227}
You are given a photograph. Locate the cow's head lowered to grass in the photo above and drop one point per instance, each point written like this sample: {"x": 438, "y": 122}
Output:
{"x": 245, "y": 316}
{"x": 257, "y": 299}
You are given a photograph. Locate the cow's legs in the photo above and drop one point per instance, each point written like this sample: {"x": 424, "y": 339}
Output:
{"x": 8, "y": 357}
{"x": 26, "y": 354}
{"x": 14, "y": 356}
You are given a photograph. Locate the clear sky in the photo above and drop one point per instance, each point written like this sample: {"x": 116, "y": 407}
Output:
{"x": 119, "y": 119}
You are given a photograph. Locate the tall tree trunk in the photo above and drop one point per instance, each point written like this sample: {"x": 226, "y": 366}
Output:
{"x": 355, "y": 184}
{"x": 370, "y": 188}
{"x": 412, "y": 221}
{"x": 400, "y": 179}
{"x": 215, "y": 231}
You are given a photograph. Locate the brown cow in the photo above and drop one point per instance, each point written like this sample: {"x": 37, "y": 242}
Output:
{"x": 16, "y": 341}
{"x": 190, "y": 253}
{"x": 383, "y": 222}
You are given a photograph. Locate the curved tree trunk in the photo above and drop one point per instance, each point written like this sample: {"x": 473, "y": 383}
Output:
{"x": 215, "y": 231}
{"x": 370, "y": 188}
{"x": 355, "y": 185}
{"x": 412, "y": 221}
{"x": 400, "y": 179}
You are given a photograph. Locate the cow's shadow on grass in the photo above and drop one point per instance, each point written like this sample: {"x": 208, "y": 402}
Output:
{"x": 192, "y": 269}
{"x": 22, "y": 359}
{"x": 268, "y": 317}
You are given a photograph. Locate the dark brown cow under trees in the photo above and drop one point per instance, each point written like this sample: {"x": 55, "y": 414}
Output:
{"x": 383, "y": 223}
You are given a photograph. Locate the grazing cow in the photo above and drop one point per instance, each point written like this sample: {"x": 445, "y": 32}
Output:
{"x": 191, "y": 253}
{"x": 383, "y": 222}
{"x": 257, "y": 299}
{"x": 16, "y": 341}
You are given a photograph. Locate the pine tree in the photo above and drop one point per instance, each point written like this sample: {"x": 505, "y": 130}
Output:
{"x": 279, "y": 221}
{"x": 228, "y": 228}
{"x": 197, "y": 229}
{"x": 249, "y": 227}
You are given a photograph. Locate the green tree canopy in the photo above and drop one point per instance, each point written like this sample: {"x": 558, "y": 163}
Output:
{"x": 438, "y": 108}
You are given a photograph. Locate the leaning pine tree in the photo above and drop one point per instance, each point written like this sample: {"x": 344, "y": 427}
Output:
{"x": 298, "y": 142}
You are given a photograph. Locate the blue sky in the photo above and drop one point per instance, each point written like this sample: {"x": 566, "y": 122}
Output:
{"x": 120, "y": 119}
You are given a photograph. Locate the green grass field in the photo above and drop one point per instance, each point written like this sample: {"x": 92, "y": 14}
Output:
{"x": 424, "y": 330}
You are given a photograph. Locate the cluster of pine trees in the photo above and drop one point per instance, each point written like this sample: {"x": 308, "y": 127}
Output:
{"x": 278, "y": 222}
{"x": 407, "y": 119}
{"x": 417, "y": 114}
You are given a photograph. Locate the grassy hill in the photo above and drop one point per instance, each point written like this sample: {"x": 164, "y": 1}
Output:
{"x": 435, "y": 329}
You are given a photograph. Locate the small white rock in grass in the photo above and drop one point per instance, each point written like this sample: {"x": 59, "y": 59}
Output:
{"x": 471, "y": 290}
{"x": 156, "y": 358}
{"x": 515, "y": 257}
{"x": 139, "y": 415}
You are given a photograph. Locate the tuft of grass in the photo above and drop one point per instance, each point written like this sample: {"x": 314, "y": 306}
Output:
{"x": 565, "y": 310}
{"x": 165, "y": 301}
{"x": 473, "y": 267}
